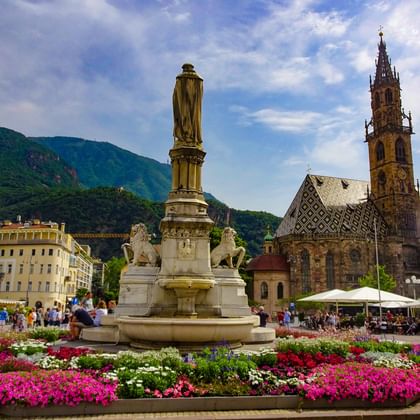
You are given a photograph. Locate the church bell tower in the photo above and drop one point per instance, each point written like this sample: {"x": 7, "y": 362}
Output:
{"x": 388, "y": 135}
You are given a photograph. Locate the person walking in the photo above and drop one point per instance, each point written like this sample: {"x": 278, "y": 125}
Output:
{"x": 286, "y": 318}
{"x": 4, "y": 317}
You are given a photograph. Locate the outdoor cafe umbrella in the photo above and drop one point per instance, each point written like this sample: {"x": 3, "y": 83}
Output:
{"x": 370, "y": 295}
{"x": 327, "y": 297}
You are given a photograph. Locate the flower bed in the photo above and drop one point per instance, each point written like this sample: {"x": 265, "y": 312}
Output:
{"x": 311, "y": 369}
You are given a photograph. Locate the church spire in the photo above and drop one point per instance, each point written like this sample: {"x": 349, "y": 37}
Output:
{"x": 384, "y": 73}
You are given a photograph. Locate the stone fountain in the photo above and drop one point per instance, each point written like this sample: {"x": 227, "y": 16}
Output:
{"x": 183, "y": 297}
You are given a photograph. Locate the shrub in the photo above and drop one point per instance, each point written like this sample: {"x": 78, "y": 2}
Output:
{"x": 220, "y": 364}
{"x": 313, "y": 346}
{"x": 92, "y": 361}
{"x": 28, "y": 347}
{"x": 49, "y": 334}
{"x": 144, "y": 381}
{"x": 384, "y": 346}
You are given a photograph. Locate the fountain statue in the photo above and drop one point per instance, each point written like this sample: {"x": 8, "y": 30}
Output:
{"x": 184, "y": 298}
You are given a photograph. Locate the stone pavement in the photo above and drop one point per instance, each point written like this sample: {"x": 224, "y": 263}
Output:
{"x": 409, "y": 413}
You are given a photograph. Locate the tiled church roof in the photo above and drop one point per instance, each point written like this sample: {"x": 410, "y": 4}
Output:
{"x": 268, "y": 262}
{"x": 328, "y": 205}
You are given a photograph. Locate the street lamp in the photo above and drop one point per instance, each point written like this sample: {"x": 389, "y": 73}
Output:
{"x": 413, "y": 280}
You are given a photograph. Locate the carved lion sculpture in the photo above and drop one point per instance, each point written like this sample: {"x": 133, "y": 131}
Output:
{"x": 140, "y": 246}
{"x": 227, "y": 249}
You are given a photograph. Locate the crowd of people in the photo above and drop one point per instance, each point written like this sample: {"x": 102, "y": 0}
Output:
{"x": 83, "y": 315}
{"x": 390, "y": 323}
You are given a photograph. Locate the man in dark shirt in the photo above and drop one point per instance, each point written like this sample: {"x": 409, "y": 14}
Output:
{"x": 80, "y": 319}
{"x": 263, "y": 316}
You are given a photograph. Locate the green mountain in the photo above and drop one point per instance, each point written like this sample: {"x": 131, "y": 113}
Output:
{"x": 25, "y": 163}
{"x": 103, "y": 164}
{"x": 36, "y": 183}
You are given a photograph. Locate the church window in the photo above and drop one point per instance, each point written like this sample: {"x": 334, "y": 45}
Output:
{"x": 306, "y": 286}
{"x": 380, "y": 151}
{"x": 280, "y": 291}
{"x": 329, "y": 260}
{"x": 400, "y": 150}
{"x": 382, "y": 178}
{"x": 388, "y": 96}
{"x": 377, "y": 100}
{"x": 264, "y": 290}
{"x": 355, "y": 255}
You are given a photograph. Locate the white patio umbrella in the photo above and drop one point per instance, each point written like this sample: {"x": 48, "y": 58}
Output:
{"x": 370, "y": 295}
{"x": 326, "y": 297}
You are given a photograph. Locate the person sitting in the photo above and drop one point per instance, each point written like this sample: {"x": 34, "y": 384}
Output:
{"x": 99, "y": 313}
{"x": 80, "y": 319}
{"x": 87, "y": 302}
{"x": 111, "y": 307}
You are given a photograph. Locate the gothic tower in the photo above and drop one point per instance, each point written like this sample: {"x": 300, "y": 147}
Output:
{"x": 388, "y": 135}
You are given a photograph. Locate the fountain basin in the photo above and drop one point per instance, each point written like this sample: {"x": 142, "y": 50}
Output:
{"x": 185, "y": 333}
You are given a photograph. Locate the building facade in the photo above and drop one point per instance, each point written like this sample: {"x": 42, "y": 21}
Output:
{"x": 41, "y": 264}
{"x": 334, "y": 226}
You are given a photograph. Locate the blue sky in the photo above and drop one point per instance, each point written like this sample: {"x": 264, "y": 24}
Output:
{"x": 285, "y": 82}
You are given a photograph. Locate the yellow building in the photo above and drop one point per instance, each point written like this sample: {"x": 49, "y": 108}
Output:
{"x": 41, "y": 264}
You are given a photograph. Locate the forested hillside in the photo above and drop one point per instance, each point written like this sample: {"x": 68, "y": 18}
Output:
{"x": 26, "y": 163}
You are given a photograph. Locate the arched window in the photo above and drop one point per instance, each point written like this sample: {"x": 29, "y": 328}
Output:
{"x": 400, "y": 150}
{"x": 264, "y": 290}
{"x": 388, "y": 96}
{"x": 306, "y": 268}
{"x": 377, "y": 100}
{"x": 380, "y": 151}
{"x": 329, "y": 262}
{"x": 280, "y": 291}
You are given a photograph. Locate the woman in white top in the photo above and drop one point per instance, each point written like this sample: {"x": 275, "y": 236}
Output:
{"x": 99, "y": 313}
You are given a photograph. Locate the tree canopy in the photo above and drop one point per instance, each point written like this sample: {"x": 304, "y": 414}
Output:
{"x": 386, "y": 281}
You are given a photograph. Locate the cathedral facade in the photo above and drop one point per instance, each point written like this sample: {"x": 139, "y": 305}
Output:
{"x": 335, "y": 228}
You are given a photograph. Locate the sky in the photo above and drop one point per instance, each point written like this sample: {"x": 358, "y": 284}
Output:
{"x": 286, "y": 83}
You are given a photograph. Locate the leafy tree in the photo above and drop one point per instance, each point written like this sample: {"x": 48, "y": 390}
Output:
{"x": 80, "y": 293}
{"x": 112, "y": 274}
{"x": 386, "y": 281}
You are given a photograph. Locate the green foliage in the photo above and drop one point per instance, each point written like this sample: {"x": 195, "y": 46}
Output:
{"x": 167, "y": 356}
{"x": 250, "y": 225}
{"x": 266, "y": 357}
{"x": 113, "y": 269}
{"x": 50, "y": 334}
{"x": 313, "y": 346}
{"x": 220, "y": 365}
{"x": 134, "y": 383}
{"x": 360, "y": 320}
{"x": 386, "y": 281}
{"x": 383, "y": 346}
{"x": 94, "y": 361}
{"x": 81, "y": 293}
{"x": 143, "y": 176}
{"x": 36, "y": 183}
{"x": 24, "y": 163}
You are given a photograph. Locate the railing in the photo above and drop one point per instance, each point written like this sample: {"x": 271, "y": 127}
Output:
{"x": 403, "y": 129}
